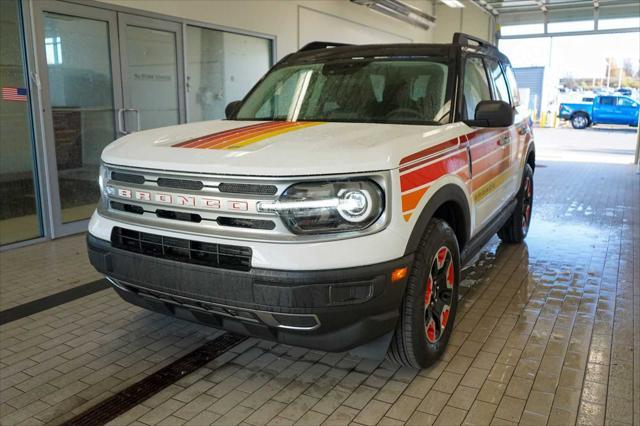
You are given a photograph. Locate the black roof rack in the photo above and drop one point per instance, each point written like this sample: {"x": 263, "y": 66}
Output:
{"x": 464, "y": 39}
{"x": 316, "y": 45}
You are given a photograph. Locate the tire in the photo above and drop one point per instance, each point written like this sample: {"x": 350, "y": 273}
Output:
{"x": 516, "y": 227}
{"x": 430, "y": 301}
{"x": 580, "y": 121}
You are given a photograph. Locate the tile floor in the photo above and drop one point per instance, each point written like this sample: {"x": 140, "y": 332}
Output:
{"x": 548, "y": 332}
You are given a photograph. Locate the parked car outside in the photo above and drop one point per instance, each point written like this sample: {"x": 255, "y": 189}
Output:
{"x": 608, "y": 109}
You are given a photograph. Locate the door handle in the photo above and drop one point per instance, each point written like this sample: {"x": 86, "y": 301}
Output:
{"x": 121, "y": 120}
{"x": 121, "y": 128}
{"x": 504, "y": 140}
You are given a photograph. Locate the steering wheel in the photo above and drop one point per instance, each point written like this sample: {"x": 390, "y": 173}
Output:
{"x": 403, "y": 113}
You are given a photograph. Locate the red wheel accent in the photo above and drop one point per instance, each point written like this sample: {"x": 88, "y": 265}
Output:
{"x": 444, "y": 316}
{"x": 441, "y": 256}
{"x": 429, "y": 291}
{"x": 450, "y": 275}
{"x": 431, "y": 331}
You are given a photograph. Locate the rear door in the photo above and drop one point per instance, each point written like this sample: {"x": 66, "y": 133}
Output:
{"x": 489, "y": 147}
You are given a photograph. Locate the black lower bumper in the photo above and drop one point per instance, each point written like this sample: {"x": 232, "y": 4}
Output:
{"x": 333, "y": 310}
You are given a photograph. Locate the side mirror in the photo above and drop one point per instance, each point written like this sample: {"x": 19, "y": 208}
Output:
{"x": 493, "y": 114}
{"x": 231, "y": 109}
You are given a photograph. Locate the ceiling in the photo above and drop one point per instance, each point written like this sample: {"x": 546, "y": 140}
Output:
{"x": 523, "y": 6}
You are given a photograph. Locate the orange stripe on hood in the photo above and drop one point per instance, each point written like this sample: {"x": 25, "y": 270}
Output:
{"x": 240, "y": 137}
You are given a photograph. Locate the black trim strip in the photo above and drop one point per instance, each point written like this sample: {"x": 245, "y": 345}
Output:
{"x": 48, "y": 302}
{"x": 133, "y": 395}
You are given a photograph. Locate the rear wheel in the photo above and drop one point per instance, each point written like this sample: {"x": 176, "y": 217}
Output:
{"x": 516, "y": 228}
{"x": 431, "y": 299}
{"x": 580, "y": 121}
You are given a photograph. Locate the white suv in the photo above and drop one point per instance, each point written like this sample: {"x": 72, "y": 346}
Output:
{"x": 334, "y": 208}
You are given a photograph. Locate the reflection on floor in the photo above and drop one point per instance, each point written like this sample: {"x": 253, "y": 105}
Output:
{"x": 27, "y": 227}
{"x": 545, "y": 334}
{"x": 76, "y": 213}
{"x": 19, "y": 229}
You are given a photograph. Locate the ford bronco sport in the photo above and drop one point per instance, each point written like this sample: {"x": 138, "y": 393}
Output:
{"x": 335, "y": 205}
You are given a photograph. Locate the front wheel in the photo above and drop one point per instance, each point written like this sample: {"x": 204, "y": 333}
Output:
{"x": 431, "y": 299}
{"x": 516, "y": 228}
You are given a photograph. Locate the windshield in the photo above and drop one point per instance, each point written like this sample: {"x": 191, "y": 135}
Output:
{"x": 407, "y": 91}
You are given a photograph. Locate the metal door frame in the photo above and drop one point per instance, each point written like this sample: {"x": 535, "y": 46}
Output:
{"x": 52, "y": 211}
{"x": 126, "y": 19}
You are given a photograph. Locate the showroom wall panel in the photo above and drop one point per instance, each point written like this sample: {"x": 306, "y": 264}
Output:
{"x": 313, "y": 26}
{"x": 281, "y": 18}
{"x": 470, "y": 19}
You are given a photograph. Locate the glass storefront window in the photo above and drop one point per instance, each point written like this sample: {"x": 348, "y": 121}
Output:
{"x": 19, "y": 212}
{"x": 81, "y": 95}
{"x": 221, "y": 67}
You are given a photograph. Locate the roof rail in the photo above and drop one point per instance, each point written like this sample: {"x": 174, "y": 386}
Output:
{"x": 464, "y": 39}
{"x": 316, "y": 45}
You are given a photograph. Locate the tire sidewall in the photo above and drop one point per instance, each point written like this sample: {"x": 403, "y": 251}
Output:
{"x": 425, "y": 352}
{"x": 527, "y": 172}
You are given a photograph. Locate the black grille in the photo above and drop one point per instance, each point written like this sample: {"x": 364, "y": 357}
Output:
{"x": 181, "y": 250}
{"x": 127, "y": 177}
{"x": 246, "y": 223}
{"x": 130, "y": 208}
{"x": 247, "y": 188}
{"x": 180, "y": 184}
{"x": 187, "y": 217}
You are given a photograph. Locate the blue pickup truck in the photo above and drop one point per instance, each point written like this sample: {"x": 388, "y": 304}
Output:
{"x": 605, "y": 109}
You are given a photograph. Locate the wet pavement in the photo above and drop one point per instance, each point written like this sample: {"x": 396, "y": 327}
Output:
{"x": 548, "y": 332}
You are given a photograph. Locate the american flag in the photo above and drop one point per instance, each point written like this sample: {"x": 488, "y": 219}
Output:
{"x": 14, "y": 94}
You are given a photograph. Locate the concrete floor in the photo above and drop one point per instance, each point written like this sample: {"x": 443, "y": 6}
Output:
{"x": 547, "y": 331}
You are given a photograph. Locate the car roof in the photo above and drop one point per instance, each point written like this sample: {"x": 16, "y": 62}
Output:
{"x": 326, "y": 51}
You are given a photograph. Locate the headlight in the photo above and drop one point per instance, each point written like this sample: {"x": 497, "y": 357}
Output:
{"x": 103, "y": 178}
{"x": 328, "y": 207}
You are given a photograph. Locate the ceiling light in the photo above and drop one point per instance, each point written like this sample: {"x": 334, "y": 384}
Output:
{"x": 453, "y": 3}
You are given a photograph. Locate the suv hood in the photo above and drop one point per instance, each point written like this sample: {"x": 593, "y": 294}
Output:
{"x": 258, "y": 148}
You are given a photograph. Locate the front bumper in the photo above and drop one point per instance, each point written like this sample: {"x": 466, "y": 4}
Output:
{"x": 331, "y": 310}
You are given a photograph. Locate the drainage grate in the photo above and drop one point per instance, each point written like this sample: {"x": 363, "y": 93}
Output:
{"x": 128, "y": 398}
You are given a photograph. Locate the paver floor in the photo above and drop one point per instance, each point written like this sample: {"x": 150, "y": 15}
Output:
{"x": 548, "y": 332}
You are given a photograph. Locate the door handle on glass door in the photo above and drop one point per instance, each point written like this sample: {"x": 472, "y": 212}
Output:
{"x": 121, "y": 127}
{"x": 122, "y": 123}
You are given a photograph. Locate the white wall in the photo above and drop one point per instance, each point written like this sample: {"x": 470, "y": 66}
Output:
{"x": 281, "y": 18}
{"x": 469, "y": 19}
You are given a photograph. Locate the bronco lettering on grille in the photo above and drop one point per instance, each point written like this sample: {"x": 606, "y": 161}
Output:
{"x": 183, "y": 200}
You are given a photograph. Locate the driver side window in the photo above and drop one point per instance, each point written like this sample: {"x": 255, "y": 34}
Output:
{"x": 476, "y": 86}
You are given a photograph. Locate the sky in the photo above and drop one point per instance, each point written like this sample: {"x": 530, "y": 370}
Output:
{"x": 576, "y": 56}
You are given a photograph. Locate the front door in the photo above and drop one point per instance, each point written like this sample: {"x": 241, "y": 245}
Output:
{"x": 152, "y": 73}
{"x": 490, "y": 149}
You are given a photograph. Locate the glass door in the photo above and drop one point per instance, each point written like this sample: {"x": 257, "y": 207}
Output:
{"x": 79, "y": 70}
{"x": 20, "y": 207}
{"x": 152, "y": 73}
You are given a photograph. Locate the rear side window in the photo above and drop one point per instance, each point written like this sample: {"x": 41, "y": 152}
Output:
{"x": 476, "y": 86}
{"x": 607, "y": 100}
{"x": 499, "y": 82}
{"x": 513, "y": 85}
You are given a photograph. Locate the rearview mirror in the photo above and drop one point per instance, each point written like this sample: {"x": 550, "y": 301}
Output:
{"x": 493, "y": 114}
{"x": 231, "y": 109}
